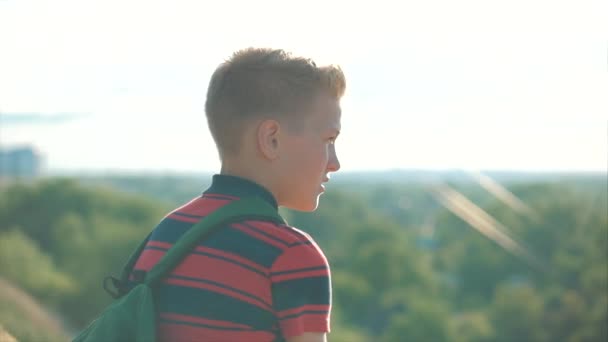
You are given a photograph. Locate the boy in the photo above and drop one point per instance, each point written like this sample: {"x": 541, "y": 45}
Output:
{"x": 274, "y": 118}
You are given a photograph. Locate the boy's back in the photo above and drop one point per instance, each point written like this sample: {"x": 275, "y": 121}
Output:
{"x": 248, "y": 281}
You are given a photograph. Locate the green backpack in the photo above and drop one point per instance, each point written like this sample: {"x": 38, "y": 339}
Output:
{"x": 132, "y": 317}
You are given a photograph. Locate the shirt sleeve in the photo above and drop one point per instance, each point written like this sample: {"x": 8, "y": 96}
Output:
{"x": 301, "y": 289}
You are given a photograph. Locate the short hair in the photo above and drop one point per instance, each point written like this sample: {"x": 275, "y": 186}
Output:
{"x": 256, "y": 83}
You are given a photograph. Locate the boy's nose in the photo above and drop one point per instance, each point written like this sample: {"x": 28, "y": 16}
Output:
{"x": 334, "y": 164}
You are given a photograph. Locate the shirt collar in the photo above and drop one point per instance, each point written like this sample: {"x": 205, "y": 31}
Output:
{"x": 239, "y": 187}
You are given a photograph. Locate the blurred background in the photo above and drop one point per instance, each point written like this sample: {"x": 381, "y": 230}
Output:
{"x": 472, "y": 200}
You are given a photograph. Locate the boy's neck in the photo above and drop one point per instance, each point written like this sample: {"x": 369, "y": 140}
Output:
{"x": 247, "y": 173}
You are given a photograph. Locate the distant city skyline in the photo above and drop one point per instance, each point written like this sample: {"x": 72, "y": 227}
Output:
{"x": 476, "y": 85}
{"x": 19, "y": 163}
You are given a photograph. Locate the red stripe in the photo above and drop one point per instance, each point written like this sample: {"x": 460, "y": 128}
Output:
{"x": 301, "y": 256}
{"x": 183, "y": 218}
{"x": 214, "y": 288}
{"x": 299, "y": 275}
{"x": 305, "y": 323}
{"x": 231, "y": 256}
{"x": 299, "y": 309}
{"x": 181, "y": 332}
{"x": 259, "y": 236}
{"x": 216, "y": 252}
{"x": 220, "y": 271}
{"x": 148, "y": 258}
{"x": 200, "y": 320}
{"x": 274, "y": 230}
{"x": 192, "y": 202}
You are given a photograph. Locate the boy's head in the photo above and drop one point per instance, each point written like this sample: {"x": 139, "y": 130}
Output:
{"x": 274, "y": 118}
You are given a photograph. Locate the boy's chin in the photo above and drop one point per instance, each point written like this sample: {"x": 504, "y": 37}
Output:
{"x": 306, "y": 206}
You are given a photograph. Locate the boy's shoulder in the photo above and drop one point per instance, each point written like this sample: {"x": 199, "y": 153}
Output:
{"x": 200, "y": 207}
{"x": 287, "y": 233}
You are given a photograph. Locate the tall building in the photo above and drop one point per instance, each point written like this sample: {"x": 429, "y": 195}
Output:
{"x": 20, "y": 162}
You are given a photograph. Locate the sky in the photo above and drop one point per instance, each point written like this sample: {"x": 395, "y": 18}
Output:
{"x": 476, "y": 85}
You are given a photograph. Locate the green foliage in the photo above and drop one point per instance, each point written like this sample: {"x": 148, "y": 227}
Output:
{"x": 517, "y": 314}
{"x": 20, "y": 326}
{"x": 471, "y": 327}
{"x": 23, "y": 263}
{"x": 24, "y": 318}
{"x": 564, "y": 300}
{"x": 58, "y": 239}
{"x": 426, "y": 320}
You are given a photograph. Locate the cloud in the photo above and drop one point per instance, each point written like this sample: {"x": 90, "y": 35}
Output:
{"x": 30, "y": 118}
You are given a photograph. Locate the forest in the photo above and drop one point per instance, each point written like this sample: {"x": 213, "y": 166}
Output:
{"x": 414, "y": 257}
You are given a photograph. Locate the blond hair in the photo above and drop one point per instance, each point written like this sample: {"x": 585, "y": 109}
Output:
{"x": 257, "y": 83}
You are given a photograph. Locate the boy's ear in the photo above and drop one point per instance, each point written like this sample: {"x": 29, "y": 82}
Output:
{"x": 268, "y": 138}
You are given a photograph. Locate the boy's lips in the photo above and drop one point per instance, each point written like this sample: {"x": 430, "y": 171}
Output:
{"x": 325, "y": 180}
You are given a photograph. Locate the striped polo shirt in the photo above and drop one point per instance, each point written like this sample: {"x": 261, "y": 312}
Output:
{"x": 248, "y": 281}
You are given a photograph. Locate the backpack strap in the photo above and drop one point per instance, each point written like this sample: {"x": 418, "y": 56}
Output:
{"x": 247, "y": 208}
{"x": 120, "y": 285}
